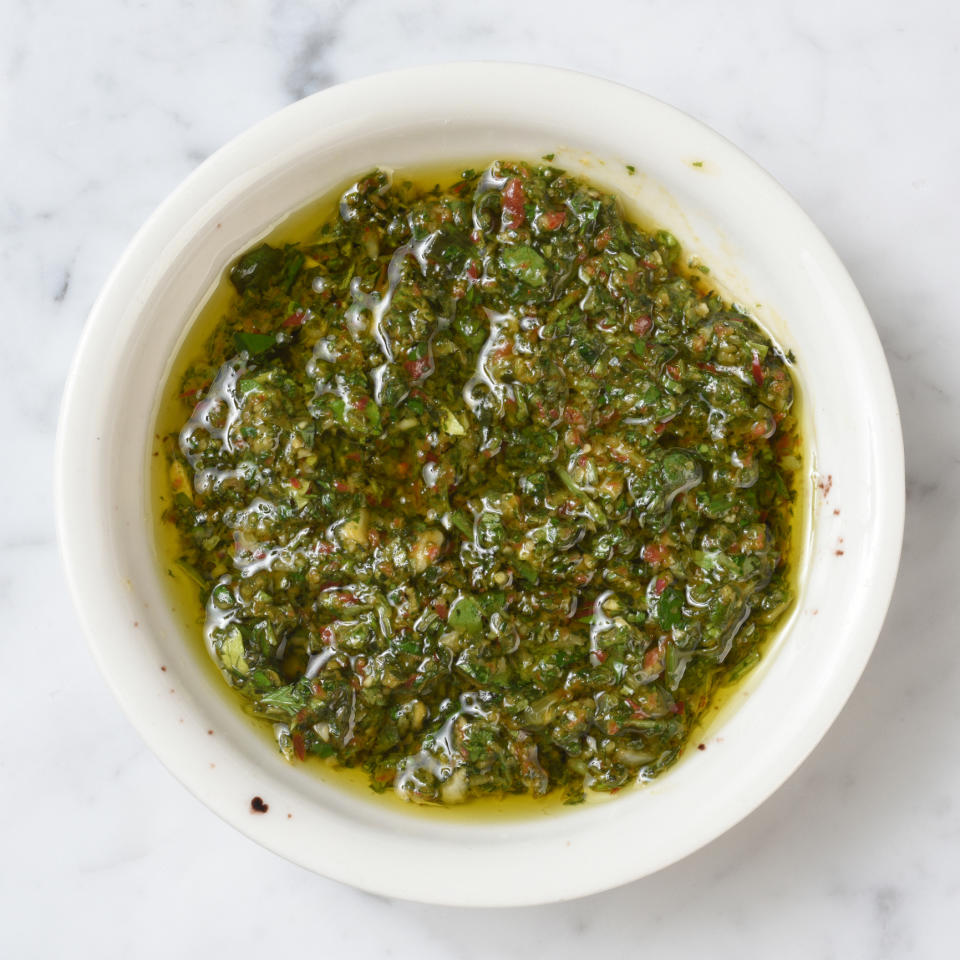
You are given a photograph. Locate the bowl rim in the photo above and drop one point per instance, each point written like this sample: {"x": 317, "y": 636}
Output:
{"x": 73, "y": 455}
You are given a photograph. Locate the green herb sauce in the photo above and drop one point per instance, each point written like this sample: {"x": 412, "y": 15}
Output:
{"x": 484, "y": 494}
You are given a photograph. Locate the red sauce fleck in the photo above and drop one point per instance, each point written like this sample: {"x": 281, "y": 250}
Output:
{"x": 512, "y": 204}
{"x": 257, "y": 805}
{"x": 553, "y": 220}
{"x": 653, "y": 553}
{"x": 163, "y": 668}
{"x": 701, "y": 746}
{"x": 418, "y": 368}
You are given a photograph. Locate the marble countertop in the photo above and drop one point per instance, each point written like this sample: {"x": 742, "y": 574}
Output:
{"x": 105, "y": 106}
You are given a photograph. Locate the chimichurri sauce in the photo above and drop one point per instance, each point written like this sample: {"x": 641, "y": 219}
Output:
{"x": 484, "y": 493}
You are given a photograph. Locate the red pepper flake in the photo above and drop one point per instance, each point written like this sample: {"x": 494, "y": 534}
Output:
{"x": 441, "y": 609}
{"x": 659, "y": 428}
{"x": 653, "y": 553}
{"x": 473, "y": 271}
{"x": 362, "y": 403}
{"x": 638, "y": 712}
{"x": 295, "y": 483}
{"x": 673, "y": 371}
{"x": 553, "y": 220}
{"x": 600, "y": 655}
{"x": 757, "y": 369}
{"x": 299, "y": 746}
{"x": 294, "y": 320}
{"x": 660, "y": 585}
{"x": 418, "y": 368}
{"x": 678, "y": 707}
{"x": 340, "y": 486}
{"x": 512, "y": 203}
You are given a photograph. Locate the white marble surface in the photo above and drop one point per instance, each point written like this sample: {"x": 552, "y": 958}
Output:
{"x": 105, "y": 106}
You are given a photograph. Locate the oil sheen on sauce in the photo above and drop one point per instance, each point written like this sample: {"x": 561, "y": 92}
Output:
{"x": 216, "y": 415}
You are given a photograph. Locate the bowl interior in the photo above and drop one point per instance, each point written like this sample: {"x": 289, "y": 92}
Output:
{"x": 761, "y": 250}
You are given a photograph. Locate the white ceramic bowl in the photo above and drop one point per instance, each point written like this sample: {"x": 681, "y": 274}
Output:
{"x": 725, "y": 210}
